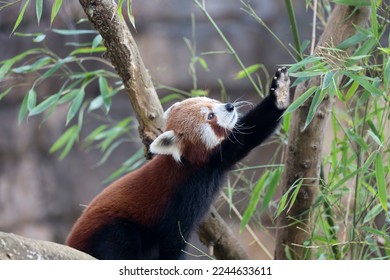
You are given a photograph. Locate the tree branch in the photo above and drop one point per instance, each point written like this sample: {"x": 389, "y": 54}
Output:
{"x": 305, "y": 145}
{"x": 124, "y": 55}
{"x": 14, "y": 247}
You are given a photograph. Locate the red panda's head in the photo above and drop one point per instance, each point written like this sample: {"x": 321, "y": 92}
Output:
{"x": 195, "y": 126}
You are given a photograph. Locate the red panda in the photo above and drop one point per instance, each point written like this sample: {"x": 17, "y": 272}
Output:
{"x": 149, "y": 213}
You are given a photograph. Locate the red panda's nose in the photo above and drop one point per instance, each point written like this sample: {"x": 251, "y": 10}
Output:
{"x": 229, "y": 107}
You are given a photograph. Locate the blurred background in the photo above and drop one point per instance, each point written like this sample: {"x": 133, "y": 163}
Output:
{"x": 42, "y": 196}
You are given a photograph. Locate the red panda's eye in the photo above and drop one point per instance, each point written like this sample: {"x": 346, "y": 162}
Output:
{"x": 210, "y": 116}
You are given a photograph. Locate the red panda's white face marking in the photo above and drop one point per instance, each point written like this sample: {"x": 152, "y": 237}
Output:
{"x": 198, "y": 123}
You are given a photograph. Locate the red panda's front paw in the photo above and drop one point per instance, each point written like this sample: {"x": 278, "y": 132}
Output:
{"x": 280, "y": 88}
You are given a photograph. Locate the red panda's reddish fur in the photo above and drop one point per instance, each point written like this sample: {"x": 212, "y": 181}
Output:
{"x": 130, "y": 197}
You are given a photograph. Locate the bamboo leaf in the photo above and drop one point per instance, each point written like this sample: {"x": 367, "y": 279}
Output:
{"x": 374, "y": 20}
{"x": 295, "y": 194}
{"x": 32, "y": 99}
{"x": 363, "y": 82}
{"x": 355, "y": 3}
{"x": 351, "y": 91}
{"x": 64, "y": 138}
{"x": 76, "y": 103}
{"x": 272, "y": 187}
{"x": 105, "y": 92}
{"x": 88, "y": 50}
{"x": 44, "y": 105}
{"x": 130, "y": 13}
{"x": 300, "y": 100}
{"x": 282, "y": 204}
{"x": 69, "y": 32}
{"x": 247, "y": 71}
{"x": 381, "y": 182}
{"x": 21, "y": 15}
{"x": 23, "y": 109}
{"x": 97, "y": 41}
{"x": 255, "y": 197}
{"x": 352, "y": 41}
{"x": 375, "y": 211}
{"x": 317, "y": 99}
{"x": 328, "y": 78}
{"x": 203, "y": 63}
{"x": 54, "y": 10}
{"x": 5, "y": 93}
{"x": 38, "y": 9}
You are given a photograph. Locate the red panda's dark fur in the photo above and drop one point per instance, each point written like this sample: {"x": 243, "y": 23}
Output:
{"x": 149, "y": 213}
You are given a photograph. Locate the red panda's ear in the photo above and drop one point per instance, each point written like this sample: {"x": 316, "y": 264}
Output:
{"x": 168, "y": 111}
{"x": 166, "y": 144}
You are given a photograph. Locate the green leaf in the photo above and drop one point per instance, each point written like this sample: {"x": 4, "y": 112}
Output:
{"x": 68, "y": 96}
{"x": 299, "y": 65}
{"x": 56, "y": 66}
{"x": 300, "y": 100}
{"x": 364, "y": 82}
{"x": 69, "y": 32}
{"x": 23, "y": 109}
{"x": 33, "y": 67}
{"x": 76, "y": 103}
{"x": 328, "y": 78}
{"x": 272, "y": 187}
{"x": 54, "y": 10}
{"x": 97, "y": 41}
{"x": 7, "y": 64}
{"x": 38, "y": 9}
{"x": 375, "y": 137}
{"x": 352, "y": 41}
{"x": 88, "y": 50}
{"x": 203, "y": 63}
{"x": 386, "y": 73}
{"x": 21, "y": 15}
{"x": 92, "y": 136}
{"x": 317, "y": 99}
{"x": 96, "y": 103}
{"x": 307, "y": 74}
{"x": 130, "y": 13}
{"x": 32, "y": 99}
{"x": 247, "y": 71}
{"x": 357, "y": 138}
{"x": 67, "y": 139}
{"x": 44, "y": 105}
{"x": 282, "y": 204}
{"x": 374, "y": 20}
{"x": 355, "y": 3}
{"x": 375, "y": 211}
{"x": 381, "y": 182}
{"x": 351, "y": 91}
{"x": 254, "y": 200}
{"x": 39, "y": 38}
{"x": 5, "y": 93}
{"x": 295, "y": 194}
{"x": 105, "y": 92}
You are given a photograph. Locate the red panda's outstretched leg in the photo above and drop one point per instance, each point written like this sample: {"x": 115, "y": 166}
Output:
{"x": 259, "y": 123}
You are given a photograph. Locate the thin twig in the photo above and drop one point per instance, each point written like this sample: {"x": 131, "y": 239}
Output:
{"x": 313, "y": 31}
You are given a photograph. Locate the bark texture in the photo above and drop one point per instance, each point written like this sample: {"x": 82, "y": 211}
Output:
{"x": 305, "y": 145}
{"x": 124, "y": 55}
{"x": 215, "y": 233}
{"x": 14, "y": 247}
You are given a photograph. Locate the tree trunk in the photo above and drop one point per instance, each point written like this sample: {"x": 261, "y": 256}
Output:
{"x": 305, "y": 145}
